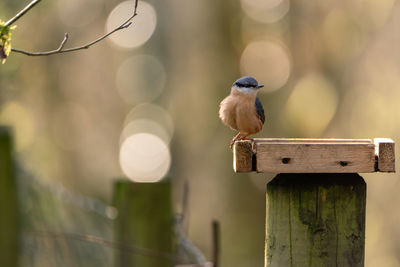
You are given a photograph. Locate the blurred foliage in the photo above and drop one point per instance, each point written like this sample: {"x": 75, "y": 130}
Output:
{"x": 5, "y": 40}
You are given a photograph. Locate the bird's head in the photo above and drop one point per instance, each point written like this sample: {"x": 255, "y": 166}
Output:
{"x": 246, "y": 85}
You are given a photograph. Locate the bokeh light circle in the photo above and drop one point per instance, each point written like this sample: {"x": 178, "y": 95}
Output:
{"x": 342, "y": 35}
{"x": 378, "y": 12}
{"x": 137, "y": 34}
{"x": 145, "y": 126}
{"x": 266, "y": 11}
{"x": 149, "y": 118}
{"x": 268, "y": 62}
{"x": 144, "y": 157}
{"x": 311, "y": 105}
{"x": 140, "y": 78}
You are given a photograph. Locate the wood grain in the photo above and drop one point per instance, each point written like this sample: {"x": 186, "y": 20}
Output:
{"x": 243, "y": 159}
{"x": 312, "y": 140}
{"x": 302, "y": 155}
{"x": 315, "y": 220}
{"x": 307, "y": 157}
{"x": 385, "y": 152}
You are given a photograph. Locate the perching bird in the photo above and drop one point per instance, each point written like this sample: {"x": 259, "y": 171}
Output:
{"x": 242, "y": 110}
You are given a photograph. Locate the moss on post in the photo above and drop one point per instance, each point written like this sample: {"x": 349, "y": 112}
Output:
{"x": 145, "y": 221}
{"x": 315, "y": 220}
{"x": 8, "y": 202}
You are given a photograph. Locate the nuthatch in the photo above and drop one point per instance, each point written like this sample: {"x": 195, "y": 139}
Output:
{"x": 242, "y": 110}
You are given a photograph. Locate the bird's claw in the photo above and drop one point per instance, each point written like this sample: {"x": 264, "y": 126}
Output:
{"x": 232, "y": 143}
{"x": 237, "y": 137}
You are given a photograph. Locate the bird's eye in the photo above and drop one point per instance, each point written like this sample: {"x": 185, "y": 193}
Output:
{"x": 239, "y": 85}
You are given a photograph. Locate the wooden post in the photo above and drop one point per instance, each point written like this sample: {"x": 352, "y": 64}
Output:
{"x": 8, "y": 203}
{"x": 315, "y": 210}
{"x": 315, "y": 220}
{"x": 145, "y": 221}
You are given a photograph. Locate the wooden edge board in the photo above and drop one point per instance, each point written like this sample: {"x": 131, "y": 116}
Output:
{"x": 311, "y": 140}
{"x": 315, "y": 157}
{"x": 314, "y": 144}
{"x": 384, "y": 150}
{"x": 243, "y": 156}
{"x": 366, "y": 155}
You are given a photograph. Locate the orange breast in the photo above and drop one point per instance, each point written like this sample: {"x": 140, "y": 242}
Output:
{"x": 247, "y": 119}
{"x": 240, "y": 114}
{"x": 227, "y": 111}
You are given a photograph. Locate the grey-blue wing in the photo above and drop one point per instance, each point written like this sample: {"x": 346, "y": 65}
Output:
{"x": 260, "y": 110}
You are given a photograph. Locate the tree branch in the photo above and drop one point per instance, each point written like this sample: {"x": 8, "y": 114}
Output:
{"x": 60, "y": 49}
{"x": 22, "y": 12}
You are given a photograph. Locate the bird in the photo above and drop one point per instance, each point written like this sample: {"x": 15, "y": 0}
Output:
{"x": 242, "y": 110}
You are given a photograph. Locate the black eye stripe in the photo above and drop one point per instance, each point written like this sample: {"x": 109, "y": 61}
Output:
{"x": 245, "y": 85}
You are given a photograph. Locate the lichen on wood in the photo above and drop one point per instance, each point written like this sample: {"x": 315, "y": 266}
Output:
{"x": 315, "y": 220}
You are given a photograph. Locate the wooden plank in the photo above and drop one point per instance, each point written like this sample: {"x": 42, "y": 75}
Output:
{"x": 310, "y": 155}
{"x": 243, "y": 160}
{"x": 311, "y": 140}
{"x": 315, "y": 220}
{"x": 145, "y": 222}
{"x": 385, "y": 152}
{"x": 8, "y": 202}
{"x": 282, "y": 157}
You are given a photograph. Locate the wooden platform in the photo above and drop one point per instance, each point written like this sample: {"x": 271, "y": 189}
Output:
{"x": 292, "y": 155}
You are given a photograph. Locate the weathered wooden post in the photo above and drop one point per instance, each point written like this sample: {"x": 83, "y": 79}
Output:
{"x": 8, "y": 202}
{"x": 145, "y": 222}
{"x": 315, "y": 206}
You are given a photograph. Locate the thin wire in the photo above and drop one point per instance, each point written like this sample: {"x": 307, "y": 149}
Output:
{"x": 103, "y": 242}
{"x": 65, "y": 195}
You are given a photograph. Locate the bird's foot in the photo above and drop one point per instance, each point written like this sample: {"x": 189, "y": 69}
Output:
{"x": 246, "y": 137}
{"x": 232, "y": 143}
{"x": 237, "y": 137}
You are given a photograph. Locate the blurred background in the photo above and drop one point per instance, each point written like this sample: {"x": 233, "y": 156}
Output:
{"x": 143, "y": 104}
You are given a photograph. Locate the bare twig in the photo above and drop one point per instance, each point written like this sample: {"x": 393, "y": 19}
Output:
{"x": 206, "y": 264}
{"x": 60, "y": 49}
{"x": 63, "y": 42}
{"x": 185, "y": 206}
{"x": 103, "y": 242}
{"x": 22, "y": 12}
{"x": 216, "y": 241}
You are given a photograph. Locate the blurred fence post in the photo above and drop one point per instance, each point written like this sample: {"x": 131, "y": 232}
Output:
{"x": 8, "y": 202}
{"x": 145, "y": 221}
{"x": 315, "y": 220}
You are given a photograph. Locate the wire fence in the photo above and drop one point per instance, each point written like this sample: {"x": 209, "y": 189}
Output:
{"x": 63, "y": 228}
{"x": 51, "y": 219}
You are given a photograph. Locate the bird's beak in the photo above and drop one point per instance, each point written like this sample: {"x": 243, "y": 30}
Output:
{"x": 260, "y": 86}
